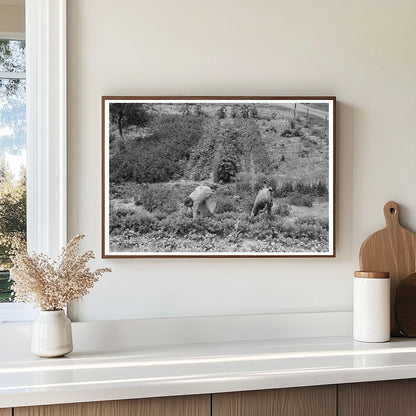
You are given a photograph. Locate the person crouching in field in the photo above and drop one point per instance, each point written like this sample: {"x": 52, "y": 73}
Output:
{"x": 263, "y": 201}
{"x": 201, "y": 201}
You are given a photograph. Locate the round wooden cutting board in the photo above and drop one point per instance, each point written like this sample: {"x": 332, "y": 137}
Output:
{"x": 405, "y": 306}
{"x": 392, "y": 250}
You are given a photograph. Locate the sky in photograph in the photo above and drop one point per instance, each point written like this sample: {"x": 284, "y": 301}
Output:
{"x": 12, "y": 106}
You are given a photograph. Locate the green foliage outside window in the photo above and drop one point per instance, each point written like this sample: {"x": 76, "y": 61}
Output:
{"x": 12, "y": 157}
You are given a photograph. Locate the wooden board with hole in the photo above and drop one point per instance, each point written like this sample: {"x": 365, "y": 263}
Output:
{"x": 392, "y": 250}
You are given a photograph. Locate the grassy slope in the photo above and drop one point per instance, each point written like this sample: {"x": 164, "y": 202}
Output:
{"x": 152, "y": 217}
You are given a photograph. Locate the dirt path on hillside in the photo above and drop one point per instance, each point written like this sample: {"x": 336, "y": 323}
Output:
{"x": 305, "y": 108}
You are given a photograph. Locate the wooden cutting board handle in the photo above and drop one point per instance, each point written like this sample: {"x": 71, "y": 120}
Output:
{"x": 391, "y": 214}
{"x": 393, "y": 250}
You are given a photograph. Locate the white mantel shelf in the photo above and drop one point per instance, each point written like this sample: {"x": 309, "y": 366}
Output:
{"x": 151, "y": 371}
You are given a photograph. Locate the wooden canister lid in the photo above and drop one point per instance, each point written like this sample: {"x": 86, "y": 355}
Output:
{"x": 372, "y": 275}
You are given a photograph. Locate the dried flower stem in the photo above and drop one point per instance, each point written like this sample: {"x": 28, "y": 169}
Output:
{"x": 53, "y": 285}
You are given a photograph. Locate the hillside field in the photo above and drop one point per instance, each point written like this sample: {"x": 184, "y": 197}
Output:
{"x": 165, "y": 151}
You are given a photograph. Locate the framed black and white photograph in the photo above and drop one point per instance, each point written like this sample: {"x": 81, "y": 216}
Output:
{"x": 218, "y": 176}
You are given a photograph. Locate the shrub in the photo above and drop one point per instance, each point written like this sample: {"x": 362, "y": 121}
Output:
{"x": 123, "y": 211}
{"x": 226, "y": 162}
{"x": 198, "y": 110}
{"x": 313, "y": 232}
{"x": 311, "y": 228}
{"x": 303, "y": 153}
{"x": 302, "y": 188}
{"x": 253, "y": 112}
{"x": 300, "y": 200}
{"x": 180, "y": 225}
{"x": 245, "y": 182}
{"x": 320, "y": 189}
{"x": 284, "y": 190}
{"x": 316, "y": 189}
{"x": 244, "y": 111}
{"x": 283, "y": 210}
{"x": 226, "y": 205}
{"x": 297, "y": 132}
{"x": 226, "y": 171}
{"x": 199, "y": 165}
{"x": 115, "y": 191}
{"x": 293, "y": 132}
{"x": 158, "y": 198}
{"x": 221, "y": 112}
{"x": 311, "y": 220}
{"x": 140, "y": 222}
{"x": 196, "y": 176}
{"x": 159, "y": 157}
{"x": 184, "y": 225}
{"x": 262, "y": 228}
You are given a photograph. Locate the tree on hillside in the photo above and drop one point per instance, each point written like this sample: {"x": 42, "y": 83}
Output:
{"x": 253, "y": 112}
{"x": 221, "y": 113}
{"x": 136, "y": 114}
{"x": 198, "y": 110}
{"x": 12, "y": 213}
{"x": 244, "y": 111}
{"x": 125, "y": 114}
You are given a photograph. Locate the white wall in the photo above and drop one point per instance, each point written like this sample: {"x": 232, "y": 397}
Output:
{"x": 361, "y": 51}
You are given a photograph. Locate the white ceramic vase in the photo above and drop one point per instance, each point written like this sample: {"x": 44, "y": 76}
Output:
{"x": 52, "y": 334}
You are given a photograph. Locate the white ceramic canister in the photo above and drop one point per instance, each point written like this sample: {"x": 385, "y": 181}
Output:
{"x": 371, "y": 322}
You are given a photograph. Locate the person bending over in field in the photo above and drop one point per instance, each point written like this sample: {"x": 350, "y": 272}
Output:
{"x": 201, "y": 201}
{"x": 263, "y": 201}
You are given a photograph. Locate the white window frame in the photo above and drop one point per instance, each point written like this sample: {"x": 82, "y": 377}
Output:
{"x": 46, "y": 134}
{"x": 14, "y": 312}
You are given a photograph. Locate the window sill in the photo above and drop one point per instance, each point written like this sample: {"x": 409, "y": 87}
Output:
{"x": 16, "y": 313}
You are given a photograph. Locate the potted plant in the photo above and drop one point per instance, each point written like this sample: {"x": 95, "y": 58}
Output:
{"x": 52, "y": 286}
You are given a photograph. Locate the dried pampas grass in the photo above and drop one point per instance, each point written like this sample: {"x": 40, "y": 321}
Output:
{"x": 53, "y": 285}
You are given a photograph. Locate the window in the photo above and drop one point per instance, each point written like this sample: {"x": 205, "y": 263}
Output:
{"x": 45, "y": 134}
{"x": 12, "y": 155}
{"x": 12, "y": 165}
{"x": 45, "y": 91}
